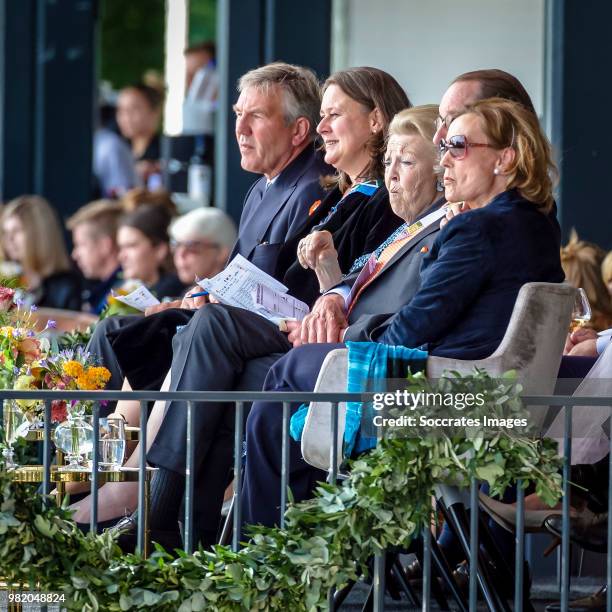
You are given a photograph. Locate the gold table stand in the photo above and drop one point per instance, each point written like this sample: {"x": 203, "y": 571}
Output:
{"x": 34, "y": 474}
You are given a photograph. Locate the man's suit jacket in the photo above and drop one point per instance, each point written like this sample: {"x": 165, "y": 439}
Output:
{"x": 471, "y": 278}
{"x": 271, "y": 216}
{"x": 394, "y": 285}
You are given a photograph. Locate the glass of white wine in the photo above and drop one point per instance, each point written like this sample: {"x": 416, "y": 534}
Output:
{"x": 581, "y": 313}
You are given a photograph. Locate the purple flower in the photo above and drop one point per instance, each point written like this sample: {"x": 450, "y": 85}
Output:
{"x": 51, "y": 324}
{"x": 15, "y": 371}
{"x": 30, "y": 334}
{"x": 19, "y": 302}
{"x": 33, "y": 308}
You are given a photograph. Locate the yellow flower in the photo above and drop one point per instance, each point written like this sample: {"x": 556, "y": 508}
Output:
{"x": 72, "y": 368}
{"x": 7, "y": 331}
{"x": 25, "y": 383}
{"x": 93, "y": 378}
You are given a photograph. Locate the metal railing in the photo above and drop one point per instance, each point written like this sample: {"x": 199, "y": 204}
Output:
{"x": 238, "y": 399}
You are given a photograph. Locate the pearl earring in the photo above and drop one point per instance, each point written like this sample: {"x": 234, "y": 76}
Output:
{"x": 439, "y": 185}
{"x": 496, "y": 171}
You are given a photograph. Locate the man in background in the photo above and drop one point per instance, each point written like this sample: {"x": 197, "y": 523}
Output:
{"x": 94, "y": 229}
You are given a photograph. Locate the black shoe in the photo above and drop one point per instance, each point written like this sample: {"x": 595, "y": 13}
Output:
{"x": 127, "y": 527}
{"x": 592, "y": 603}
{"x": 102, "y": 525}
{"x": 590, "y": 531}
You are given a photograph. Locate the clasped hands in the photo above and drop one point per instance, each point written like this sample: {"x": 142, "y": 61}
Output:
{"x": 325, "y": 323}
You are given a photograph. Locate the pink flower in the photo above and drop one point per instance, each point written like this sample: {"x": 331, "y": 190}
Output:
{"x": 6, "y": 298}
{"x": 59, "y": 412}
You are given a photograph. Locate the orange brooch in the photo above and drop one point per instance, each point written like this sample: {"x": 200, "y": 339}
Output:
{"x": 313, "y": 207}
{"x": 424, "y": 249}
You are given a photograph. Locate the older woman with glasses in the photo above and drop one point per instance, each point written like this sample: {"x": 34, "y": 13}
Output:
{"x": 497, "y": 162}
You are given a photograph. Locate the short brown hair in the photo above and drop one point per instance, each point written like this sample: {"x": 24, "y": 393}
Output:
{"x": 495, "y": 83}
{"x": 101, "y": 215}
{"x": 510, "y": 124}
{"x": 302, "y": 94}
{"x": 372, "y": 88}
{"x": 207, "y": 46}
{"x": 138, "y": 196}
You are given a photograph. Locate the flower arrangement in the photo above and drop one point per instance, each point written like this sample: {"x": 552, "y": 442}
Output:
{"x": 68, "y": 370}
{"x": 20, "y": 344}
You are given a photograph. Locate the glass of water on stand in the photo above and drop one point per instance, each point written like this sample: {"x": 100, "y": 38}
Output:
{"x": 111, "y": 443}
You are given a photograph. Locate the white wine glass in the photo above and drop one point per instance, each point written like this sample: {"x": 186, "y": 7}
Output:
{"x": 581, "y": 313}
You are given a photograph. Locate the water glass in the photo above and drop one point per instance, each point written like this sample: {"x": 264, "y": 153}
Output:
{"x": 111, "y": 443}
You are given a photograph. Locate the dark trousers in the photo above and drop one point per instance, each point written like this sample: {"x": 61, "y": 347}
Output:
{"x": 222, "y": 348}
{"x": 295, "y": 371}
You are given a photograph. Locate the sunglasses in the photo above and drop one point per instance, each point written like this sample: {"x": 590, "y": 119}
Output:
{"x": 458, "y": 146}
{"x": 191, "y": 246}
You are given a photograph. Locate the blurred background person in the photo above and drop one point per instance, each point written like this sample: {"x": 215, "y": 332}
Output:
{"x": 144, "y": 250}
{"x": 582, "y": 263}
{"x": 606, "y": 272}
{"x": 201, "y": 242}
{"x": 139, "y": 109}
{"x": 32, "y": 237}
{"x": 94, "y": 236}
{"x": 202, "y": 89}
{"x": 113, "y": 164}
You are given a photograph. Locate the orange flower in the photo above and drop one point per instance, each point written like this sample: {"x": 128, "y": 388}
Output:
{"x": 30, "y": 349}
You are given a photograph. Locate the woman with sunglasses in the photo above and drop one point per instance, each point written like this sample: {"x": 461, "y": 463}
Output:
{"x": 497, "y": 162}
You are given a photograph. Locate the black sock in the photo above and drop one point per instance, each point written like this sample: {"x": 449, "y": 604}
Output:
{"x": 167, "y": 490}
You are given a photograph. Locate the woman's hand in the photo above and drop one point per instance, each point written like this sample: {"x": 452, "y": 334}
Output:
{"x": 453, "y": 210}
{"x": 326, "y": 322}
{"x": 316, "y": 251}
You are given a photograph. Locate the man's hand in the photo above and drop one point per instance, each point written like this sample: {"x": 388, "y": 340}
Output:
{"x": 588, "y": 348}
{"x": 453, "y": 210}
{"x": 326, "y": 322}
{"x": 579, "y": 336}
{"x": 194, "y": 303}
{"x": 162, "y": 306}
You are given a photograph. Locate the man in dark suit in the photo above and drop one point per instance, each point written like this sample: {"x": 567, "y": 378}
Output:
{"x": 234, "y": 349}
{"x": 276, "y": 116}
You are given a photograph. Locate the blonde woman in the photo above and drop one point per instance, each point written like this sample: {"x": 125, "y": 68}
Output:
{"x": 32, "y": 237}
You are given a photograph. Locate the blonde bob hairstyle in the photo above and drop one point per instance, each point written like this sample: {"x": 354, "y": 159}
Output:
{"x": 510, "y": 124}
{"x": 419, "y": 121}
{"x": 45, "y": 248}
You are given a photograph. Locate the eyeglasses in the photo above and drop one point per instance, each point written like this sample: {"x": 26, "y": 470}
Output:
{"x": 458, "y": 146}
{"x": 192, "y": 246}
{"x": 443, "y": 121}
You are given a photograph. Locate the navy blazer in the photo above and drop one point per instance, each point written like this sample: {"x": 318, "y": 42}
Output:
{"x": 471, "y": 278}
{"x": 271, "y": 216}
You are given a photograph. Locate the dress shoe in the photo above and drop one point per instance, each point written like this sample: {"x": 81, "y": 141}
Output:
{"x": 588, "y": 530}
{"x": 127, "y": 529}
{"x": 505, "y": 515}
{"x": 592, "y": 603}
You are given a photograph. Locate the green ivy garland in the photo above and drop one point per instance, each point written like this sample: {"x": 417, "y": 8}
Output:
{"x": 327, "y": 540}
